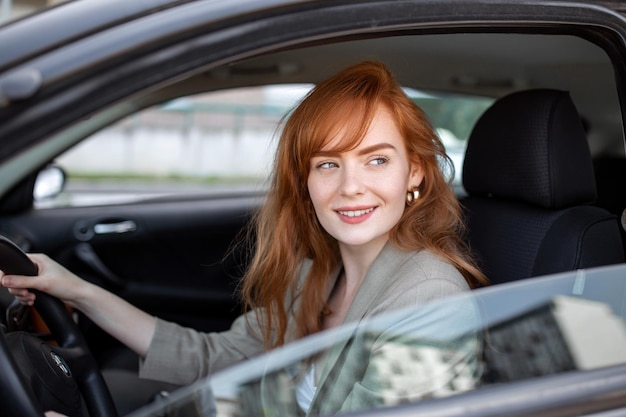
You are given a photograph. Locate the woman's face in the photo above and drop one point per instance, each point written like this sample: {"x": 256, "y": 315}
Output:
{"x": 360, "y": 195}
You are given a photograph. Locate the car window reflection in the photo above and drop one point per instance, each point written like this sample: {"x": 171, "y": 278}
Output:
{"x": 466, "y": 343}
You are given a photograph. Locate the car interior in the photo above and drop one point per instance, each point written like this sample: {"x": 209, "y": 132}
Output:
{"x": 529, "y": 178}
{"x": 543, "y": 178}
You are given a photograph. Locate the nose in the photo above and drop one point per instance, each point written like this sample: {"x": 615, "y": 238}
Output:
{"x": 351, "y": 181}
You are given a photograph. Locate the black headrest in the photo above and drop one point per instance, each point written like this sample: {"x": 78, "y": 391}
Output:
{"x": 531, "y": 146}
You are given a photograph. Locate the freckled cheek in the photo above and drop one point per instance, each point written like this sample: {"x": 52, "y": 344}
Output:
{"x": 321, "y": 206}
{"x": 393, "y": 191}
{"x": 389, "y": 185}
{"x": 318, "y": 192}
{"x": 397, "y": 200}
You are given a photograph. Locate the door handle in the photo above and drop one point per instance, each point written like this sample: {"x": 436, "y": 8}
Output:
{"x": 115, "y": 228}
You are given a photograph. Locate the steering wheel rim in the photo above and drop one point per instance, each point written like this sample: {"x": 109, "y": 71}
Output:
{"x": 68, "y": 336}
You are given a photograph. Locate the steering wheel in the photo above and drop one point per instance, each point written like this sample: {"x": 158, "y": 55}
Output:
{"x": 71, "y": 357}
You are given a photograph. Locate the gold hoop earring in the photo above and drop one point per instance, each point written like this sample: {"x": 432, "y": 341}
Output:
{"x": 412, "y": 195}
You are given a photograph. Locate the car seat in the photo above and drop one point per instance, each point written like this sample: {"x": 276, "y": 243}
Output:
{"x": 611, "y": 184}
{"x": 530, "y": 183}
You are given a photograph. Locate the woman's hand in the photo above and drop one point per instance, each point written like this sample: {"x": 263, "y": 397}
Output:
{"x": 126, "y": 323}
{"x": 52, "y": 279}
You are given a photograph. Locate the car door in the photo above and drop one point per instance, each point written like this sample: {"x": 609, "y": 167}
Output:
{"x": 157, "y": 209}
{"x": 166, "y": 253}
{"x": 171, "y": 258}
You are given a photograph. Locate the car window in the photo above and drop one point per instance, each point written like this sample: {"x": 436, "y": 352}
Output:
{"x": 453, "y": 116}
{"x": 218, "y": 142}
{"x": 538, "y": 330}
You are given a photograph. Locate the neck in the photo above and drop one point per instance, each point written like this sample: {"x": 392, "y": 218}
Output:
{"x": 357, "y": 261}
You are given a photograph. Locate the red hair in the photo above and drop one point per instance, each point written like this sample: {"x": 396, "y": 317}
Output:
{"x": 287, "y": 230}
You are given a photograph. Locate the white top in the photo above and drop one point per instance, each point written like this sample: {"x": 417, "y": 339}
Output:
{"x": 305, "y": 391}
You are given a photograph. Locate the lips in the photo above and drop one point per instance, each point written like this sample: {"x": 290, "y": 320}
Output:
{"x": 356, "y": 215}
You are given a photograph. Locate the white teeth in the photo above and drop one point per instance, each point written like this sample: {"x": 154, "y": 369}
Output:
{"x": 356, "y": 213}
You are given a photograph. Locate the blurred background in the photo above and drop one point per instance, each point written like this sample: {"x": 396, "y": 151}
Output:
{"x": 12, "y": 9}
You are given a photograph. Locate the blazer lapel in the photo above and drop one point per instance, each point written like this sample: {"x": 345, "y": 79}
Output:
{"x": 375, "y": 281}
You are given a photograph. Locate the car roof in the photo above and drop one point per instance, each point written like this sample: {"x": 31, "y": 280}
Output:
{"x": 89, "y": 17}
{"x": 68, "y": 21}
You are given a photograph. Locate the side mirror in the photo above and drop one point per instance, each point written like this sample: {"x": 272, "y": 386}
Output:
{"x": 49, "y": 182}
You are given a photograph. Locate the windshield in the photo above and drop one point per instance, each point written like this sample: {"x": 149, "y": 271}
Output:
{"x": 569, "y": 324}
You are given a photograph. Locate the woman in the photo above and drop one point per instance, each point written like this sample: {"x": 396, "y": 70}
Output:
{"x": 359, "y": 219}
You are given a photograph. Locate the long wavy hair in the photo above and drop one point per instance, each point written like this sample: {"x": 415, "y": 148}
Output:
{"x": 287, "y": 230}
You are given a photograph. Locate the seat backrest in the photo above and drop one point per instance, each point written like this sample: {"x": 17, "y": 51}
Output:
{"x": 529, "y": 180}
{"x": 610, "y": 175}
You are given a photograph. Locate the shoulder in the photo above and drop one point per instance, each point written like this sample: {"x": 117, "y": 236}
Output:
{"x": 428, "y": 265}
{"x": 421, "y": 276}
{"x": 422, "y": 265}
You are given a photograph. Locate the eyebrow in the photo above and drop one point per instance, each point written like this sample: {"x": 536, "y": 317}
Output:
{"x": 364, "y": 151}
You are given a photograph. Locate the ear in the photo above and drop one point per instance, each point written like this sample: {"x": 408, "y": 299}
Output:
{"x": 416, "y": 175}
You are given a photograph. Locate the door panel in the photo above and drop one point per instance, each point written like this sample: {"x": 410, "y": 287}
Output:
{"x": 179, "y": 260}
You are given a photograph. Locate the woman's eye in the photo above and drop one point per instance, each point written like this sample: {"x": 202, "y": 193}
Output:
{"x": 326, "y": 165}
{"x": 379, "y": 160}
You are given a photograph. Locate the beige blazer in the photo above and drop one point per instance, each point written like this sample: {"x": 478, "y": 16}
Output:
{"x": 396, "y": 279}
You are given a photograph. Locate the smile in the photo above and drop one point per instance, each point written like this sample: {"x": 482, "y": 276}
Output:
{"x": 355, "y": 213}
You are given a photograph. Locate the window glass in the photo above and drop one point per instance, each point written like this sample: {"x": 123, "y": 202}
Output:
{"x": 219, "y": 142}
{"x": 453, "y": 116}
{"x": 545, "y": 332}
